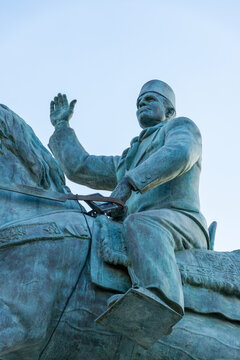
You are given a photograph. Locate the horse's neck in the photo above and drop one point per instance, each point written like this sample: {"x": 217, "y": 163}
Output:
{"x": 16, "y": 207}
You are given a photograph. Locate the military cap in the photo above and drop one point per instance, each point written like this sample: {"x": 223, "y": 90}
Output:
{"x": 161, "y": 88}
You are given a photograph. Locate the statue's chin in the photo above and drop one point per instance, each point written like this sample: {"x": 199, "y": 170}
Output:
{"x": 146, "y": 122}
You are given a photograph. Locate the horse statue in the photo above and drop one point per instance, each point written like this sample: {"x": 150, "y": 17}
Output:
{"x": 55, "y": 281}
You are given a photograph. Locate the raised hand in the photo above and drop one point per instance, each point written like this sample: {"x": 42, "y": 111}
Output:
{"x": 61, "y": 110}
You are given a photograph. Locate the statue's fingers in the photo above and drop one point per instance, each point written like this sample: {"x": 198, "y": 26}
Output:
{"x": 117, "y": 213}
{"x": 72, "y": 104}
{"x": 60, "y": 99}
{"x": 56, "y": 102}
{"x": 65, "y": 100}
{"x": 52, "y": 106}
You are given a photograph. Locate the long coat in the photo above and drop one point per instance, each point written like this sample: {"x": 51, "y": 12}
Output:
{"x": 163, "y": 165}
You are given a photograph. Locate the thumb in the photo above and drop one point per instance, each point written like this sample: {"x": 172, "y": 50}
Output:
{"x": 72, "y": 104}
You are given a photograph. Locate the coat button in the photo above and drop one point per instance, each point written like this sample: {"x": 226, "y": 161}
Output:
{"x": 148, "y": 176}
{"x": 143, "y": 181}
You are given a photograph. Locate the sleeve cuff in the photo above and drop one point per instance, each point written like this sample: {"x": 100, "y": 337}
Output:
{"x": 141, "y": 182}
{"x": 62, "y": 124}
{"x": 132, "y": 183}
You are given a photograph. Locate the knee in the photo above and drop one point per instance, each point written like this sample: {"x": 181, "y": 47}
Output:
{"x": 149, "y": 227}
{"x": 132, "y": 220}
{"x": 139, "y": 221}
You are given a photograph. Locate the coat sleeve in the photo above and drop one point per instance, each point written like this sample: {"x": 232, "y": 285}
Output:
{"x": 97, "y": 172}
{"x": 181, "y": 150}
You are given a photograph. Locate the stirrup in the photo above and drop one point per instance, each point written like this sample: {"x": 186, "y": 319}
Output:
{"x": 140, "y": 316}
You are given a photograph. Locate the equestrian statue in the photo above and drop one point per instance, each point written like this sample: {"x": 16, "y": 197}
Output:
{"x": 134, "y": 278}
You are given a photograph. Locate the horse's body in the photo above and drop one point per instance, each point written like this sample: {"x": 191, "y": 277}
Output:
{"x": 48, "y": 302}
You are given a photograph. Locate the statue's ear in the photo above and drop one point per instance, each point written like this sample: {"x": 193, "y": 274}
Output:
{"x": 170, "y": 112}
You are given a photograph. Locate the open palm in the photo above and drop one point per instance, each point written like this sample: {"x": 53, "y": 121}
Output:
{"x": 60, "y": 109}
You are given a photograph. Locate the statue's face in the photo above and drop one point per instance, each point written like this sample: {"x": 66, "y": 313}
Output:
{"x": 151, "y": 109}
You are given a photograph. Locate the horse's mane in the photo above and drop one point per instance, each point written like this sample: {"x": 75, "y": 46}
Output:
{"x": 20, "y": 139}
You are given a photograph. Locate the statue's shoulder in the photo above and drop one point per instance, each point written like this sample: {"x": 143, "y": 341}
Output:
{"x": 182, "y": 122}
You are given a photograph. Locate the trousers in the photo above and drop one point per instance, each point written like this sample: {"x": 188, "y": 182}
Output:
{"x": 152, "y": 237}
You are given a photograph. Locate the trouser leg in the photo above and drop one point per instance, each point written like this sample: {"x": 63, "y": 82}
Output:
{"x": 149, "y": 312}
{"x": 151, "y": 244}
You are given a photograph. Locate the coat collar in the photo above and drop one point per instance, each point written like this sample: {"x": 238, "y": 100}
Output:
{"x": 128, "y": 157}
{"x": 148, "y": 131}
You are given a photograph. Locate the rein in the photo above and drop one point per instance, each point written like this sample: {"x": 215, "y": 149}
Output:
{"x": 110, "y": 203}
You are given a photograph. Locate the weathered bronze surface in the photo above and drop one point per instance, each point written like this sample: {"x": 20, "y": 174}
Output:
{"x": 158, "y": 177}
{"x": 59, "y": 266}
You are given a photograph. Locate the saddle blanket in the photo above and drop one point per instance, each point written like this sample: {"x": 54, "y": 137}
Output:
{"x": 210, "y": 279}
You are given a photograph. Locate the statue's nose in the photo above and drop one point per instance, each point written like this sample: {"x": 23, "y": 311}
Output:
{"x": 142, "y": 102}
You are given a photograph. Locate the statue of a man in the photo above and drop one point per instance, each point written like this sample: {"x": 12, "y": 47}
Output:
{"x": 157, "y": 177}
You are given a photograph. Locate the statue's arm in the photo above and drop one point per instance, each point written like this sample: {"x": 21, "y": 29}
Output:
{"x": 181, "y": 150}
{"x": 97, "y": 172}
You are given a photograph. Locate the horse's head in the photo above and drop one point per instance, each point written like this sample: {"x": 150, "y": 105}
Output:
{"x": 23, "y": 158}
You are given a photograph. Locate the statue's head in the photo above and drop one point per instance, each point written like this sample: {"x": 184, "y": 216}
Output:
{"x": 155, "y": 103}
{"x": 30, "y": 155}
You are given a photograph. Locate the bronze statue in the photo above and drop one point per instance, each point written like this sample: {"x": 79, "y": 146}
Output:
{"x": 60, "y": 266}
{"x": 158, "y": 178}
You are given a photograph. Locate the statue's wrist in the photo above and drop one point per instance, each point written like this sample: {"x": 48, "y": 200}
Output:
{"x": 62, "y": 124}
{"x": 130, "y": 183}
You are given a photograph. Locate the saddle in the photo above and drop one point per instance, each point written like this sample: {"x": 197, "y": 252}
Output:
{"x": 210, "y": 279}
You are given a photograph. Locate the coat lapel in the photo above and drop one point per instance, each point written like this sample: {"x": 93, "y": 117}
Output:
{"x": 145, "y": 144}
{"x": 142, "y": 149}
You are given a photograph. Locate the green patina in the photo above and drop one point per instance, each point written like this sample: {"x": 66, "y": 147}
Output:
{"x": 60, "y": 267}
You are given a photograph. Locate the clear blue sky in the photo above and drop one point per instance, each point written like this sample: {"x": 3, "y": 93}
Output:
{"x": 101, "y": 53}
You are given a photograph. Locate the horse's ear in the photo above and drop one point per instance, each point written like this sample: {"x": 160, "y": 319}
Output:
{"x": 4, "y": 106}
{"x": 212, "y": 232}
